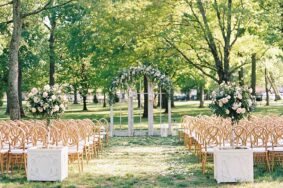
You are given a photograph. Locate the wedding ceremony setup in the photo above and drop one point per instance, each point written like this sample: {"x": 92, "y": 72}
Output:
{"x": 141, "y": 93}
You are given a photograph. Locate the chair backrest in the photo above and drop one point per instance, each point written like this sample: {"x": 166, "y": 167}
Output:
{"x": 212, "y": 137}
{"x": 17, "y": 138}
{"x": 258, "y": 137}
{"x": 240, "y": 135}
{"x": 39, "y": 136}
{"x": 70, "y": 137}
{"x": 277, "y": 136}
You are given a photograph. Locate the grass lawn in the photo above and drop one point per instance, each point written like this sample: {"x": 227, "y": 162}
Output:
{"x": 96, "y": 111}
{"x": 145, "y": 162}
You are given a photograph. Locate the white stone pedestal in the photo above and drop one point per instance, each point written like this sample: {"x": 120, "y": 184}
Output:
{"x": 47, "y": 164}
{"x": 233, "y": 165}
{"x": 164, "y": 130}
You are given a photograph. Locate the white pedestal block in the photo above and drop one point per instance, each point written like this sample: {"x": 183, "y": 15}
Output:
{"x": 47, "y": 164}
{"x": 164, "y": 130}
{"x": 233, "y": 165}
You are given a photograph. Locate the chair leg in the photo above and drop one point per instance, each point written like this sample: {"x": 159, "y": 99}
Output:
{"x": 9, "y": 164}
{"x": 2, "y": 163}
{"x": 267, "y": 161}
{"x": 82, "y": 163}
{"x": 203, "y": 163}
{"x": 79, "y": 162}
{"x": 25, "y": 163}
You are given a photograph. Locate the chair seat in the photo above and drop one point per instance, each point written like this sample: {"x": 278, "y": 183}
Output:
{"x": 83, "y": 144}
{"x": 72, "y": 150}
{"x": 18, "y": 151}
{"x": 258, "y": 150}
{"x": 99, "y": 136}
{"x": 3, "y": 151}
{"x": 103, "y": 133}
{"x": 91, "y": 140}
{"x": 208, "y": 150}
{"x": 276, "y": 149}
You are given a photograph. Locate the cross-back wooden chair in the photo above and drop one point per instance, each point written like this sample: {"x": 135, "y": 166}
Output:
{"x": 276, "y": 151}
{"x": 212, "y": 138}
{"x": 75, "y": 151}
{"x": 258, "y": 139}
{"x": 17, "y": 154}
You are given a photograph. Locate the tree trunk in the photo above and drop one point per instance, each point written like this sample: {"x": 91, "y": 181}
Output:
{"x": 164, "y": 100}
{"x": 139, "y": 97}
{"x": 95, "y": 100}
{"x": 8, "y": 104}
{"x": 15, "y": 111}
{"x": 172, "y": 98}
{"x": 253, "y": 75}
{"x": 84, "y": 103}
{"x": 52, "y": 54}
{"x": 227, "y": 41}
{"x": 145, "y": 106}
{"x": 266, "y": 87}
{"x": 104, "y": 99}
{"x": 241, "y": 77}
{"x": 274, "y": 86}
{"x": 20, "y": 89}
{"x": 75, "y": 95}
{"x": 201, "y": 96}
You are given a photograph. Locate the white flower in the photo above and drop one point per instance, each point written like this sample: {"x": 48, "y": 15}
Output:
{"x": 220, "y": 103}
{"x": 228, "y": 97}
{"x": 53, "y": 97}
{"x": 46, "y": 87}
{"x": 250, "y": 90}
{"x": 33, "y": 110}
{"x": 34, "y": 90}
{"x": 250, "y": 102}
{"x": 239, "y": 96}
{"x": 56, "y": 108}
{"x": 45, "y": 94}
{"x": 40, "y": 109}
{"x": 36, "y": 99}
{"x": 227, "y": 111}
{"x": 46, "y": 105}
{"x": 239, "y": 110}
{"x": 62, "y": 106}
{"x": 224, "y": 100}
{"x": 65, "y": 98}
{"x": 235, "y": 106}
{"x": 243, "y": 110}
{"x": 56, "y": 86}
{"x": 30, "y": 95}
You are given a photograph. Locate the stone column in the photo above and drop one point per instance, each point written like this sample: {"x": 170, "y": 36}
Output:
{"x": 130, "y": 113}
{"x": 150, "y": 108}
{"x": 111, "y": 131}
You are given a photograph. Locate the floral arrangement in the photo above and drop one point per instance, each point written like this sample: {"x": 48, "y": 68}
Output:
{"x": 127, "y": 77}
{"x": 48, "y": 102}
{"x": 231, "y": 101}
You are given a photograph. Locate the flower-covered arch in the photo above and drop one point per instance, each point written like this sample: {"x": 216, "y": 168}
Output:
{"x": 126, "y": 78}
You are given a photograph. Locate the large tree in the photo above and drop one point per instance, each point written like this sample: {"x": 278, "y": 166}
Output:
{"x": 18, "y": 16}
{"x": 209, "y": 31}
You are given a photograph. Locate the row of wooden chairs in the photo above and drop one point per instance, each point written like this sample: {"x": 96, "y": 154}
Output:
{"x": 263, "y": 134}
{"x": 84, "y": 139}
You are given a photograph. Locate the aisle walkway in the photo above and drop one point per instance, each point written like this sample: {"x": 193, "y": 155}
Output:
{"x": 143, "y": 162}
